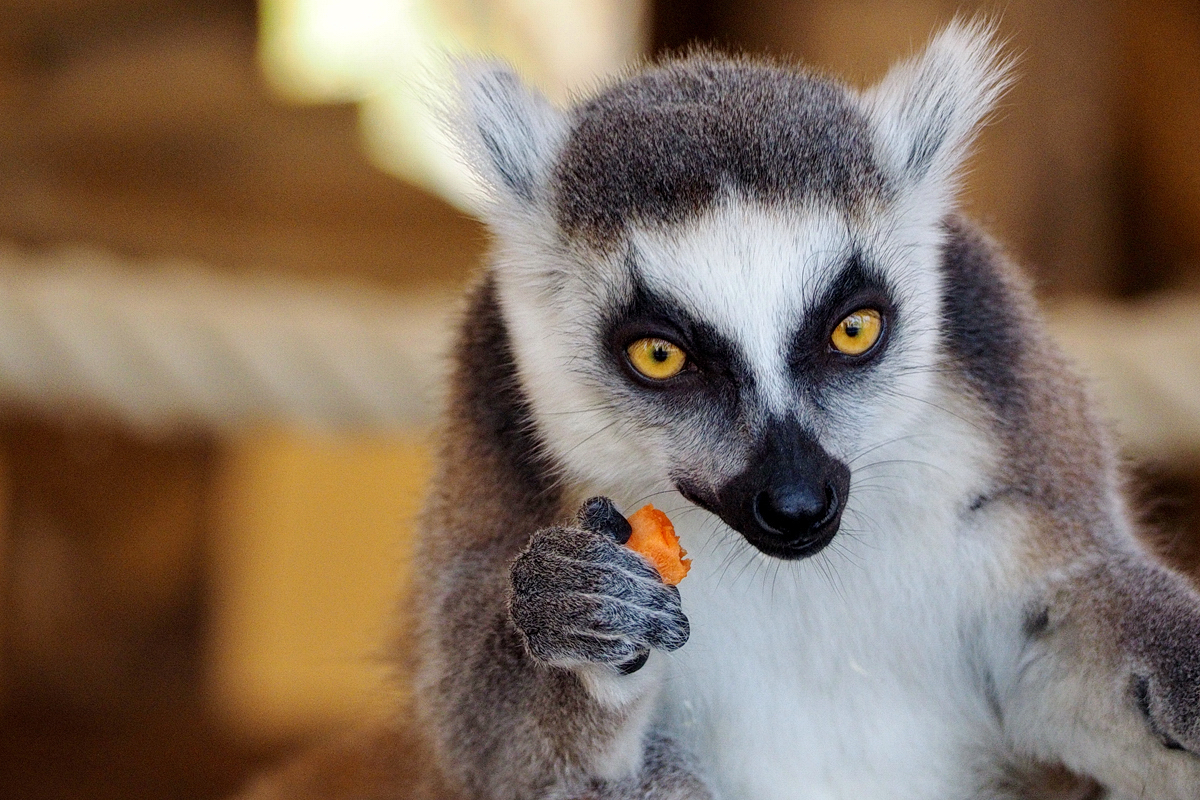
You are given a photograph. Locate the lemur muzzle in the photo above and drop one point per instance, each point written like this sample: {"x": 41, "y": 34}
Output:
{"x": 788, "y": 502}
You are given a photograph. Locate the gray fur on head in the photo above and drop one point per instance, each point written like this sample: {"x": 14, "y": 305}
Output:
{"x": 667, "y": 141}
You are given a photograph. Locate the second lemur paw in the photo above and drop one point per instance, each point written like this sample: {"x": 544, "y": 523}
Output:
{"x": 579, "y": 597}
{"x": 1165, "y": 685}
{"x": 1171, "y": 706}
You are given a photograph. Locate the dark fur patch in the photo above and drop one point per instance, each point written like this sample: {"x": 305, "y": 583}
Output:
{"x": 717, "y": 378}
{"x": 490, "y": 407}
{"x": 814, "y": 363}
{"x": 648, "y": 313}
{"x": 1037, "y": 622}
{"x": 499, "y": 722}
{"x": 1140, "y": 689}
{"x": 1161, "y": 628}
{"x": 1054, "y": 452}
{"x": 662, "y": 145}
{"x": 983, "y": 324}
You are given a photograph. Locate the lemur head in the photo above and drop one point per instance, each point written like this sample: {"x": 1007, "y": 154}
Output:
{"x": 722, "y": 276}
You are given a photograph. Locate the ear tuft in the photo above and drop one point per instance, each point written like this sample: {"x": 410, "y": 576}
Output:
{"x": 930, "y": 107}
{"x": 510, "y": 133}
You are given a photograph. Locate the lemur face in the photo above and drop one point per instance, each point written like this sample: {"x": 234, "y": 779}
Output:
{"x": 764, "y": 350}
{"x": 721, "y": 277}
{"x": 751, "y": 358}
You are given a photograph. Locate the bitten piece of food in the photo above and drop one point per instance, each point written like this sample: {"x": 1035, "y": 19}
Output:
{"x": 654, "y": 537}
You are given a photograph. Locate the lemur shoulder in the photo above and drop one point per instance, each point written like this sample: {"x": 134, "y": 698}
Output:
{"x": 915, "y": 574}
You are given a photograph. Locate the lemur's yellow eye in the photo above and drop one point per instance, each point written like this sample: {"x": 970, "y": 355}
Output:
{"x": 657, "y": 359}
{"x": 858, "y": 332}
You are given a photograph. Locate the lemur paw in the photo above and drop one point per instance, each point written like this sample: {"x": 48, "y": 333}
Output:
{"x": 1171, "y": 708}
{"x": 579, "y": 597}
{"x": 1166, "y": 684}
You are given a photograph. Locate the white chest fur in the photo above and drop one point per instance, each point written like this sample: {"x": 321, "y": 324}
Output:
{"x": 850, "y": 675}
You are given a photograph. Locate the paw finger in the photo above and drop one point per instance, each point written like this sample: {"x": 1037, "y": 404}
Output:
{"x": 600, "y": 515}
{"x": 669, "y": 632}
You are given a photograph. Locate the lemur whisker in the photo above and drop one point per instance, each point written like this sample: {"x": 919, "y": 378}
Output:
{"x": 906, "y": 461}
{"x": 591, "y": 436}
{"x": 908, "y": 437}
{"x": 938, "y": 407}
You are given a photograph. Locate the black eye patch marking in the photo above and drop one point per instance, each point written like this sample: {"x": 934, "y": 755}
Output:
{"x": 856, "y": 286}
{"x": 712, "y": 359}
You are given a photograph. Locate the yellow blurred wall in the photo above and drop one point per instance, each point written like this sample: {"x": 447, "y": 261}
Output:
{"x": 309, "y": 555}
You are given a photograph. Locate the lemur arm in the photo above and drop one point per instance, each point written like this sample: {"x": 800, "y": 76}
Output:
{"x": 1109, "y": 682}
{"x": 540, "y": 708}
{"x": 568, "y": 721}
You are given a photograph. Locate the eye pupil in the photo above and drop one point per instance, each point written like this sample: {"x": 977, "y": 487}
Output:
{"x": 853, "y": 328}
{"x": 660, "y": 354}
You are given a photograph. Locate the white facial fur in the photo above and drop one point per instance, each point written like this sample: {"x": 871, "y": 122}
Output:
{"x": 845, "y": 676}
{"x": 753, "y": 273}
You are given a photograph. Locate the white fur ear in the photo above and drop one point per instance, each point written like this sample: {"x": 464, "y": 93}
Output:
{"x": 928, "y": 108}
{"x": 510, "y": 132}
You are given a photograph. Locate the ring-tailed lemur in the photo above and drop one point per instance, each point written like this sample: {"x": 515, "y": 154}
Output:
{"x": 741, "y": 290}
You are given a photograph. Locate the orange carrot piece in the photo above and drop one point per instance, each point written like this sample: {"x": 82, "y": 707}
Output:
{"x": 654, "y": 537}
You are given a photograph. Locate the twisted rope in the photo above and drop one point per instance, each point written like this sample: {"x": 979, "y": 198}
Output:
{"x": 174, "y": 345}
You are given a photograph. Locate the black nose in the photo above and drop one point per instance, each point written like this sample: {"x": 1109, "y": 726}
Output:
{"x": 799, "y": 514}
{"x": 789, "y": 499}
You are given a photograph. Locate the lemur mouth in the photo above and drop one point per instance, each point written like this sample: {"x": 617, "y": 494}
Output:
{"x": 803, "y": 547}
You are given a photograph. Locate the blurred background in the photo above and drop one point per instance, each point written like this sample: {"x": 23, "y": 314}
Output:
{"x": 230, "y": 242}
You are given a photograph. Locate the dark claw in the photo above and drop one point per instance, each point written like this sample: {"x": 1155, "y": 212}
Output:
{"x": 634, "y": 664}
{"x": 1141, "y": 695}
{"x": 600, "y": 515}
